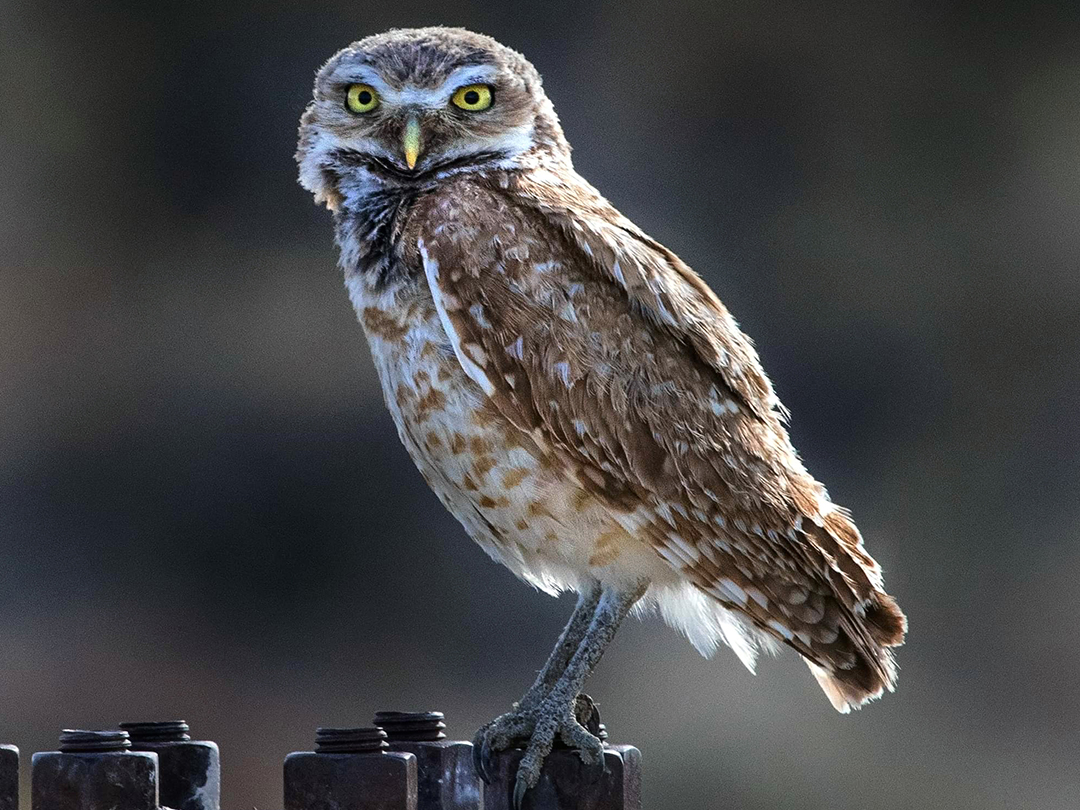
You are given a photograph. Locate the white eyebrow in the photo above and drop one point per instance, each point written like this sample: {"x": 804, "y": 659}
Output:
{"x": 362, "y": 74}
{"x": 470, "y": 74}
{"x": 423, "y": 97}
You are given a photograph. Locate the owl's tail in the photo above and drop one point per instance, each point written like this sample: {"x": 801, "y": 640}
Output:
{"x": 880, "y": 626}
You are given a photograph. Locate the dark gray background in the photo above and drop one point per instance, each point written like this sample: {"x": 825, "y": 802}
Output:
{"x": 204, "y": 509}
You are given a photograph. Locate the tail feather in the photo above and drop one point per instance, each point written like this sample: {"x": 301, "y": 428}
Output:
{"x": 842, "y": 697}
{"x": 858, "y": 666}
{"x": 885, "y": 621}
{"x": 880, "y": 626}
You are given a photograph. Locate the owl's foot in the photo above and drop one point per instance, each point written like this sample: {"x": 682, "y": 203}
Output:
{"x": 554, "y": 718}
{"x": 518, "y": 727}
{"x": 499, "y": 735}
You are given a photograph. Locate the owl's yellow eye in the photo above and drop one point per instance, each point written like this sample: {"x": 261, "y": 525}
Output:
{"x": 361, "y": 98}
{"x": 472, "y": 97}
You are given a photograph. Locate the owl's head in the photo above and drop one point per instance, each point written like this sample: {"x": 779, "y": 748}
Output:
{"x": 409, "y": 104}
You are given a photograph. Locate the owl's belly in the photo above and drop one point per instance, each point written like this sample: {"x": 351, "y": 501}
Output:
{"x": 513, "y": 498}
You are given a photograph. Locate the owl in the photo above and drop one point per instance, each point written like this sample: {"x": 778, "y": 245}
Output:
{"x": 575, "y": 395}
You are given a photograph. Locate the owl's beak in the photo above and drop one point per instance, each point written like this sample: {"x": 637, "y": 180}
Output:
{"x": 411, "y": 141}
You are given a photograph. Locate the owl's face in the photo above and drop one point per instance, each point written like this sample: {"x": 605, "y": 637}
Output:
{"x": 407, "y": 104}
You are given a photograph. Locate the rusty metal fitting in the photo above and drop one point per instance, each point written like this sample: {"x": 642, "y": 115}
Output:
{"x": 351, "y": 769}
{"x": 412, "y": 726}
{"x": 350, "y": 740}
{"x": 9, "y": 777}
{"x": 189, "y": 770}
{"x": 94, "y": 769}
{"x": 445, "y": 774}
{"x": 567, "y": 783}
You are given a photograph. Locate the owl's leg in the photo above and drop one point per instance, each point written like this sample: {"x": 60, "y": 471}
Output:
{"x": 565, "y": 648}
{"x": 517, "y": 724}
{"x": 555, "y": 714}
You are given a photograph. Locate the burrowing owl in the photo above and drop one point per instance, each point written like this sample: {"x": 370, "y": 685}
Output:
{"x": 574, "y": 393}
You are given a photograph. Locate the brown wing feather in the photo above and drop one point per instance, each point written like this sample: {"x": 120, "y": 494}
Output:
{"x": 656, "y": 280}
{"x": 605, "y": 346}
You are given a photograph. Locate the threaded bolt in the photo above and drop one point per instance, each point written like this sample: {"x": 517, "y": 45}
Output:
{"x": 350, "y": 741}
{"x": 159, "y": 731}
{"x": 412, "y": 726}
{"x": 81, "y": 741}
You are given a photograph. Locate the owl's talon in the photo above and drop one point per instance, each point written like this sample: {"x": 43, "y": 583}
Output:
{"x": 497, "y": 736}
{"x": 483, "y": 759}
{"x": 478, "y": 763}
{"x": 521, "y": 787}
{"x": 487, "y": 756}
{"x": 554, "y": 718}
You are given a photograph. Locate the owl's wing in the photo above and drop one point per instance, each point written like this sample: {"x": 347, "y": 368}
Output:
{"x": 612, "y": 353}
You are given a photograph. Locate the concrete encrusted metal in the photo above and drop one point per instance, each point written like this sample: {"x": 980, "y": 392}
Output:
{"x": 189, "y": 770}
{"x": 350, "y": 771}
{"x": 446, "y": 778}
{"x": 9, "y": 777}
{"x": 94, "y": 770}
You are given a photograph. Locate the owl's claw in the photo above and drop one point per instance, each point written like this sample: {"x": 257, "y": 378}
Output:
{"x": 554, "y": 718}
{"x": 520, "y": 787}
{"x": 497, "y": 736}
{"x": 478, "y": 764}
{"x": 538, "y": 728}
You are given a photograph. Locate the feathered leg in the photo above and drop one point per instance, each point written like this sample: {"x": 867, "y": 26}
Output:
{"x": 517, "y": 724}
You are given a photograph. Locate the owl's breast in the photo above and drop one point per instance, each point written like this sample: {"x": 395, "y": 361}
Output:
{"x": 512, "y": 496}
{"x": 458, "y": 445}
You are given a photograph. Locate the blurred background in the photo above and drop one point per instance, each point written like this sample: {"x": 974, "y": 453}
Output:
{"x": 204, "y": 508}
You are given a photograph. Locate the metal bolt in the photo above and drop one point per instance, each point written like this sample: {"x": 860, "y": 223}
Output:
{"x": 351, "y": 769}
{"x": 350, "y": 740}
{"x": 79, "y": 741}
{"x": 190, "y": 770}
{"x": 158, "y": 731}
{"x": 92, "y": 770}
{"x": 446, "y": 779}
{"x": 412, "y": 726}
{"x": 9, "y": 777}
